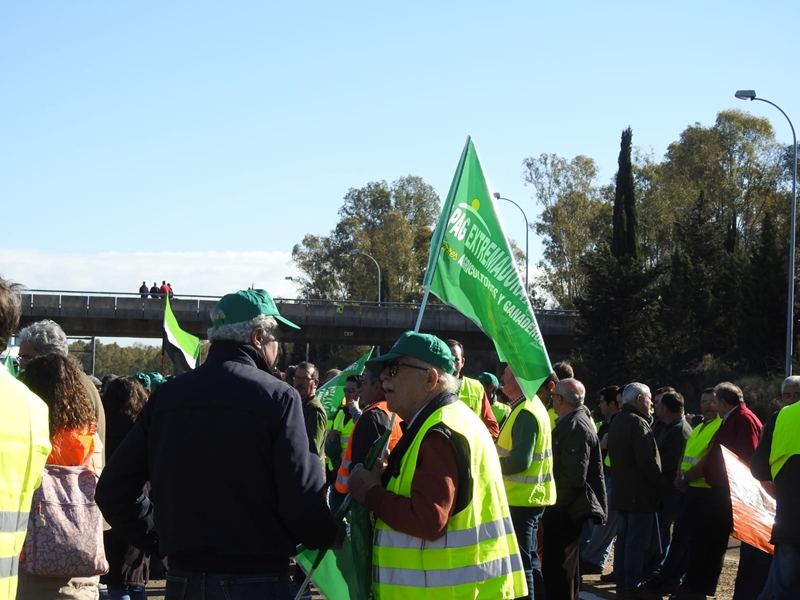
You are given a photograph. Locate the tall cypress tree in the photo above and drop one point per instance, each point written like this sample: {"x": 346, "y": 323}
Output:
{"x": 625, "y": 241}
{"x": 619, "y": 332}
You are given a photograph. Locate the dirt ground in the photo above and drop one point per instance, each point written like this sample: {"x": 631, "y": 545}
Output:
{"x": 591, "y": 583}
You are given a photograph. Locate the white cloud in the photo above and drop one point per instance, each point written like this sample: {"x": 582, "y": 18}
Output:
{"x": 190, "y": 273}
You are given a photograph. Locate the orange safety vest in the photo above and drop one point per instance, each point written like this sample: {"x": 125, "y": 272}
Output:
{"x": 344, "y": 470}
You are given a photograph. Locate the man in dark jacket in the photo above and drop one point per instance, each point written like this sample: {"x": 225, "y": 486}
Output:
{"x": 580, "y": 490}
{"x": 637, "y": 483}
{"x": 235, "y": 487}
{"x": 671, "y": 442}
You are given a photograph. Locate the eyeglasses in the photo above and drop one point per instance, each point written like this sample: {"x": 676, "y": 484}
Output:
{"x": 296, "y": 378}
{"x": 392, "y": 368}
{"x": 24, "y": 360}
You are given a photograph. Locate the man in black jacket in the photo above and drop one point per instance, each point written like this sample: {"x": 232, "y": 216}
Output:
{"x": 637, "y": 483}
{"x": 580, "y": 490}
{"x": 234, "y": 485}
{"x": 671, "y": 442}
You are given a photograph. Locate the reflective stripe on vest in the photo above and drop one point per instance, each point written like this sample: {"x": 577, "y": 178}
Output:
{"x": 13, "y": 522}
{"x": 343, "y": 474}
{"x": 535, "y": 485}
{"x": 785, "y": 438}
{"x": 9, "y": 566}
{"x": 471, "y": 575}
{"x": 697, "y": 448}
{"x": 451, "y": 539}
{"x": 478, "y": 556}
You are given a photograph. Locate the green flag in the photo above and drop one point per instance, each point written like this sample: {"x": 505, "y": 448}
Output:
{"x": 331, "y": 394}
{"x": 8, "y": 362}
{"x": 347, "y": 573}
{"x": 182, "y": 348}
{"x": 471, "y": 267}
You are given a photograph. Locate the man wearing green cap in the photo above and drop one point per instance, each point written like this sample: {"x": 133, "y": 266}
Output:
{"x": 235, "y": 487}
{"x": 442, "y": 518}
{"x": 490, "y": 385}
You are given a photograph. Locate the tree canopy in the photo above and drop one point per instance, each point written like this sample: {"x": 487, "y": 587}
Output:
{"x": 393, "y": 224}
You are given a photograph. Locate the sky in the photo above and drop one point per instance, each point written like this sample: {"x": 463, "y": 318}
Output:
{"x": 198, "y": 142}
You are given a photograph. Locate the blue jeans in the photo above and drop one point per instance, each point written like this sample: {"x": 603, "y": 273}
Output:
{"x": 635, "y": 532}
{"x": 599, "y": 546}
{"x": 785, "y": 572}
{"x": 186, "y": 585}
{"x": 123, "y": 592}
{"x": 526, "y": 526}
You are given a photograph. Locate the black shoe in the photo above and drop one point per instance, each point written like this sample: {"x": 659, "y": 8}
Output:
{"x": 588, "y": 568}
{"x": 663, "y": 587}
{"x": 607, "y": 577}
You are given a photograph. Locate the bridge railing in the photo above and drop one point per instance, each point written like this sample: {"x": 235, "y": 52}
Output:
{"x": 58, "y": 304}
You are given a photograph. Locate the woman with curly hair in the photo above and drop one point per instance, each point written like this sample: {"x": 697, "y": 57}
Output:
{"x": 128, "y": 566}
{"x": 57, "y": 380}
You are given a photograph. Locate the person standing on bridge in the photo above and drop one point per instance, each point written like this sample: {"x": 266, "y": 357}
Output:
{"x": 144, "y": 290}
{"x": 154, "y": 291}
{"x": 234, "y": 482}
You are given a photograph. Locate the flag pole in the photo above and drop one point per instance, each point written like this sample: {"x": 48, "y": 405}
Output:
{"x": 438, "y": 235}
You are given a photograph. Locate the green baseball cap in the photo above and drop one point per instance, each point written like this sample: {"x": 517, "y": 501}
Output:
{"x": 487, "y": 377}
{"x": 424, "y": 346}
{"x": 142, "y": 378}
{"x": 245, "y": 305}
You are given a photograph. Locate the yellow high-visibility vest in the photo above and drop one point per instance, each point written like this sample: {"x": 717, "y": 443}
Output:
{"x": 535, "y": 486}
{"x": 697, "y": 448}
{"x": 345, "y": 431}
{"x": 478, "y": 556}
{"x": 24, "y": 447}
{"x": 786, "y": 438}
{"x": 471, "y": 394}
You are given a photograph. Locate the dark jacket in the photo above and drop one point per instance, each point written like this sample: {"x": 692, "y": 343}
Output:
{"x": 234, "y": 485}
{"x": 127, "y": 565}
{"x": 787, "y": 487}
{"x": 636, "y": 465}
{"x": 578, "y": 468}
{"x": 671, "y": 442}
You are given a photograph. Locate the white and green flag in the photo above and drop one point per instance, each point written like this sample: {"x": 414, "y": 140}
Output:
{"x": 331, "y": 394}
{"x": 182, "y": 348}
{"x": 472, "y": 268}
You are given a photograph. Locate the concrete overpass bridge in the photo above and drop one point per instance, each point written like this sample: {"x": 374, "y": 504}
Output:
{"x": 322, "y": 321}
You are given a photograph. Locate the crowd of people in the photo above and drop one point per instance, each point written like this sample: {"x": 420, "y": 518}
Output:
{"x": 482, "y": 490}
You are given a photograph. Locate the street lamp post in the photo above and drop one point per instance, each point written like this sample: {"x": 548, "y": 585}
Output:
{"x": 357, "y": 252}
{"x": 751, "y": 95}
{"x": 527, "y": 230}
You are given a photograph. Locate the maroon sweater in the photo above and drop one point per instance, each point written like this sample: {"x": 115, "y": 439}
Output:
{"x": 739, "y": 434}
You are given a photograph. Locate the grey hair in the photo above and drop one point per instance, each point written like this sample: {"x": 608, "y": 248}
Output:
{"x": 791, "y": 381}
{"x": 633, "y": 391}
{"x": 572, "y": 391}
{"x": 240, "y": 332}
{"x": 449, "y": 383}
{"x": 46, "y": 336}
{"x": 729, "y": 393}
